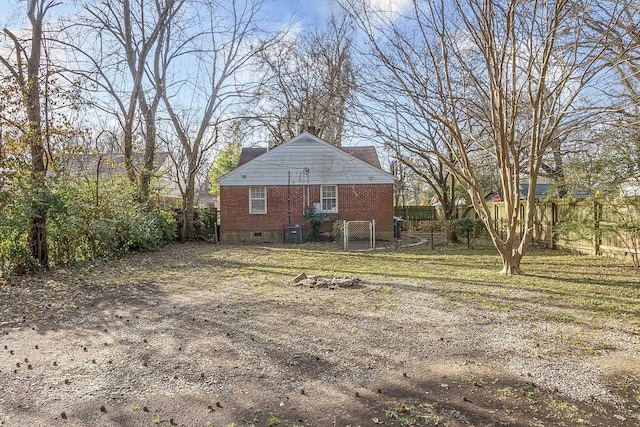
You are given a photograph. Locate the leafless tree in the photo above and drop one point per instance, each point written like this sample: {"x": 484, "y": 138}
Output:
{"x": 430, "y": 169}
{"x": 504, "y": 78}
{"x": 309, "y": 82}
{"x": 622, "y": 49}
{"x": 207, "y": 56}
{"x": 117, "y": 45}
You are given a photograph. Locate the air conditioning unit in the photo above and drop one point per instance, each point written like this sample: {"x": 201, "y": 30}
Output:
{"x": 294, "y": 234}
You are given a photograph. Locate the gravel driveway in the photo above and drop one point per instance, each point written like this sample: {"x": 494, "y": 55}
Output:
{"x": 171, "y": 338}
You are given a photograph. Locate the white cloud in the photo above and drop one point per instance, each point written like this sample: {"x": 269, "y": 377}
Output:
{"x": 389, "y": 7}
{"x": 388, "y": 10}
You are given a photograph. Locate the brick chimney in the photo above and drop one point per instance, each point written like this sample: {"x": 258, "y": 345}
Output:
{"x": 311, "y": 128}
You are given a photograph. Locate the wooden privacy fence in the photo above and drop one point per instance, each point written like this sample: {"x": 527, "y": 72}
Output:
{"x": 592, "y": 226}
{"x": 413, "y": 215}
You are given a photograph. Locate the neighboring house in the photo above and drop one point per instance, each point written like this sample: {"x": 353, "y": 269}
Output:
{"x": 269, "y": 191}
{"x": 542, "y": 191}
{"x": 630, "y": 188}
{"x": 547, "y": 191}
{"x": 108, "y": 166}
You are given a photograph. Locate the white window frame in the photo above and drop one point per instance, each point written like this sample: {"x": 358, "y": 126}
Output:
{"x": 323, "y": 198}
{"x": 252, "y": 198}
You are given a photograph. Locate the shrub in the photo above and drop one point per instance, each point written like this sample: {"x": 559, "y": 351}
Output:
{"x": 337, "y": 230}
{"x": 204, "y": 223}
{"x": 84, "y": 222}
{"x": 315, "y": 219}
{"x": 148, "y": 228}
{"x": 469, "y": 228}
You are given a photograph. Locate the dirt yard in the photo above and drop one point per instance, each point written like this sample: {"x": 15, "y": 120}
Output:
{"x": 199, "y": 335}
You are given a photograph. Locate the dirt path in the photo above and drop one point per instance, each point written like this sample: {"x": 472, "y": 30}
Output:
{"x": 170, "y": 339}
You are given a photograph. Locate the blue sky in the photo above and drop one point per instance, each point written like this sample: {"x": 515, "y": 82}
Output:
{"x": 12, "y": 12}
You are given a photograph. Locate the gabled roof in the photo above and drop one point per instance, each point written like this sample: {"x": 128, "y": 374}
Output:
{"x": 111, "y": 164}
{"x": 307, "y": 159}
{"x": 542, "y": 190}
{"x": 248, "y": 154}
{"x": 367, "y": 154}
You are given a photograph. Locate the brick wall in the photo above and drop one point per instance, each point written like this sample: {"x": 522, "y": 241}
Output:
{"x": 285, "y": 206}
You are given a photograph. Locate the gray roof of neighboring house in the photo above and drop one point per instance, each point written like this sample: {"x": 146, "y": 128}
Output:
{"x": 248, "y": 154}
{"x": 110, "y": 163}
{"x": 542, "y": 190}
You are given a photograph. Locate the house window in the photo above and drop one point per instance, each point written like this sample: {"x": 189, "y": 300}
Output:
{"x": 257, "y": 200}
{"x": 329, "y": 198}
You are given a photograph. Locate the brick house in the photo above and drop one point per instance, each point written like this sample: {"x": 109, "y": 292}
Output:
{"x": 269, "y": 190}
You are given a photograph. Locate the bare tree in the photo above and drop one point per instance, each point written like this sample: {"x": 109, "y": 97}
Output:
{"x": 622, "y": 50}
{"x": 504, "y": 78}
{"x": 117, "y": 45}
{"x": 435, "y": 173}
{"x": 25, "y": 70}
{"x": 216, "y": 45}
{"x": 309, "y": 82}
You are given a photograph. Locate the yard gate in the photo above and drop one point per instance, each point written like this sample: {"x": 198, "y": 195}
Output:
{"x": 359, "y": 235}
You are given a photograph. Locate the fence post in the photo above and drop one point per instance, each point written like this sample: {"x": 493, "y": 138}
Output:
{"x": 554, "y": 221}
{"x": 432, "y": 244}
{"x": 373, "y": 233}
{"x": 345, "y": 238}
{"x": 597, "y": 217}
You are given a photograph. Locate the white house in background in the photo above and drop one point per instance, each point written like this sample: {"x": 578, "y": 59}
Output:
{"x": 630, "y": 189}
{"x": 108, "y": 166}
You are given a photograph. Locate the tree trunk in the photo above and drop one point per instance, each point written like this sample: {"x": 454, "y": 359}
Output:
{"x": 37, "y": 231}
{"x": 511, "y": 265}
{"x": 188, "y": 209}
{"x": 451, "y": 211}
{"x": 128, "y": 151}
{"x": 510, "y": 257}
{"x": 452, "y": 235}
{"x": 38, "y": 239}
{"x": 147, "y": 169}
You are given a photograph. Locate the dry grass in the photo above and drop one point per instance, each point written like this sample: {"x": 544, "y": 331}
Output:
{"x": 217, "y": 334}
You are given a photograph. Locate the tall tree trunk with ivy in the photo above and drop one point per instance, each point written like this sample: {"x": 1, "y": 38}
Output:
{"x": 26, "y": 72}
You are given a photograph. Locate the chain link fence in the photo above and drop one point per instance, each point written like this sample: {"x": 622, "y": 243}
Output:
{"x": 359, "y": 235}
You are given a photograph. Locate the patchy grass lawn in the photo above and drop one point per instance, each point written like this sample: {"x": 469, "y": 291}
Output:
{"x": 199, "y": 335}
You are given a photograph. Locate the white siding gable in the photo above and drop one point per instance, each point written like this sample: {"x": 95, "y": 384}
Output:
{"x": 307, "y": 160}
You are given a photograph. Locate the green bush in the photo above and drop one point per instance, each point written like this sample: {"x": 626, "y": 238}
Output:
{"x": 205, "y": 220}
{"x": 16, "y": 210}
{"x": 315, "y": 220}
{"x": 469, "y": 229}
{"x": 84, "y": 222}
{"x": 148, "y": 228}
